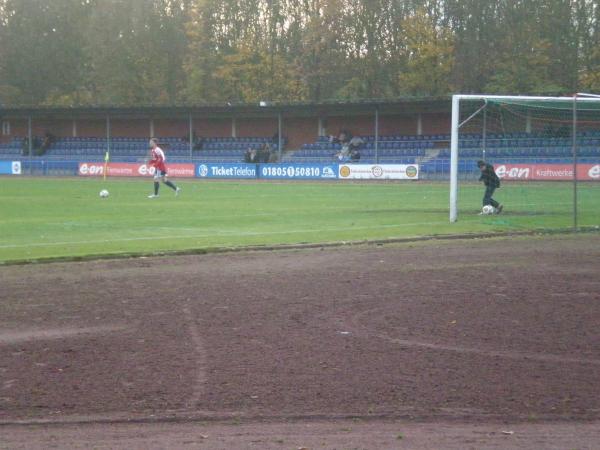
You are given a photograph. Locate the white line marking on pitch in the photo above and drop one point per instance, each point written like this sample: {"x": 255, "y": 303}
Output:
{"x": 494, "y": 353}
{"x": 518, "y": 355}
{"x": 13, "y": 337}
{"x": 199, "y": 350}
{"x": 220, "y": 233}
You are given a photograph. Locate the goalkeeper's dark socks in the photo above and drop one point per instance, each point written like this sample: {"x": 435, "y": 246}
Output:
{"x": 156, "y": 186}
{"x": 171, "y": 185}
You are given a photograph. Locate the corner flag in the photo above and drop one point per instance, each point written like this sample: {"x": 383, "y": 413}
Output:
{"x": 106, "y": 158}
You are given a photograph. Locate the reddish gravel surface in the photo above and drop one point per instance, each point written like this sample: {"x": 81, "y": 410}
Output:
{"x": 450, "y": 335}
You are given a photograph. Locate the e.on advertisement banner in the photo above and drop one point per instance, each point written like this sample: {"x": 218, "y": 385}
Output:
{"x": 134, "y": 170}
{"x": 379, "y": 171}
{"x": 585, "y": 172}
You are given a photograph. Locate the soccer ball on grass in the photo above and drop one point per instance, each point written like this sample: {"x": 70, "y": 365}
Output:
{"x": 103, "y": 193}
{"x": 488, "y": 209}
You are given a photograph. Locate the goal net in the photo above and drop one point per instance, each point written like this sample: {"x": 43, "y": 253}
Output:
{"x": 545, "y": 150}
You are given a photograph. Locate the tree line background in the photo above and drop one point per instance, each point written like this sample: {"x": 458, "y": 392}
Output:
{"x": 133, "y": 52}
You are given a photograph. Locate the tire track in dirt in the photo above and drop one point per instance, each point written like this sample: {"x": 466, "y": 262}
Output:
{"x": 199, "y": 356}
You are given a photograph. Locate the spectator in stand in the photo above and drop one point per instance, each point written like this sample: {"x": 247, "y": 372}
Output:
{"x": 198, "y": 143}
{"x": 265, "y": 153}
{"x": 25, "y": 147}
{"x": 250, "y": 156}
{"x": 46, "y": 143}
{"x": 355, "y": 144}
{"x": 344, "y": 137}
{"x": 37, "y": 146}
{"x": 344, "y": 154}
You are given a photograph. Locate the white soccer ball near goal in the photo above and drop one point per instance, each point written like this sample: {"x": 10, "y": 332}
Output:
{"x": 103, "y": 193}
{"x": 488, "y": 209}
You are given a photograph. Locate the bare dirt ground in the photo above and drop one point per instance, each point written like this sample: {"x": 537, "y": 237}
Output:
{"x": 424, "y": 345}
{"x": 332, "y": 434}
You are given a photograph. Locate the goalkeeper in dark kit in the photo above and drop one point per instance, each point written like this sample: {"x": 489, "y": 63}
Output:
{"x": 491, "y": 182}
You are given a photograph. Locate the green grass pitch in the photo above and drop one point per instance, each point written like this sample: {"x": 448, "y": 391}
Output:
{"x": 65, "y": 217}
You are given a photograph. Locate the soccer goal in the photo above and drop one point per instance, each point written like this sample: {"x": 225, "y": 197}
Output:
{"x": 546, "y": 151}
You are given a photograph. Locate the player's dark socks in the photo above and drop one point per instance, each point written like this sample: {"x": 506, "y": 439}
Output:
{"x": 156, "y": 186}
{"x": 171, "y": 185}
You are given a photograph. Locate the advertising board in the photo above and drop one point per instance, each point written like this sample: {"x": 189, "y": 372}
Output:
{"x": 226, "y": 170}
{"x": 379, "y": 171}
{"x": 89, "y": 169}
{"x": 299, "y": 171}
{"x": 541, "y": 172}
{"x": 10, "y": 167}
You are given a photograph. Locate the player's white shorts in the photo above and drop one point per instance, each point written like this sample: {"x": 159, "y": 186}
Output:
{"x": 158, "y": 174}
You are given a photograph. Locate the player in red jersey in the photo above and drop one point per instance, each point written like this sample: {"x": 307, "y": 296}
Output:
{"x": 160, "y": 170}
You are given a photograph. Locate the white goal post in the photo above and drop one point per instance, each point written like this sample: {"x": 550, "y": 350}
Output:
{"x": 478, "y": 104}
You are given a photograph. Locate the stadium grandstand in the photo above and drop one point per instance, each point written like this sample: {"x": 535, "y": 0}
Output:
{"x": 218, "y": 149}
{"x": 306, "y": 130}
